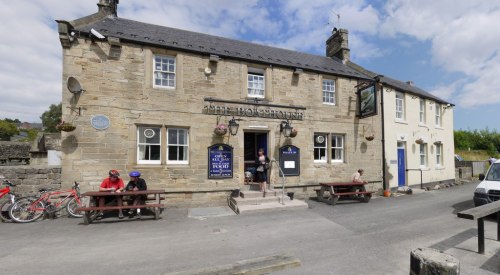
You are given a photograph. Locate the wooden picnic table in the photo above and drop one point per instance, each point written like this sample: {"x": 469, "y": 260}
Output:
{"x": 353, "y": 190}
{"x": 94, "y": 207}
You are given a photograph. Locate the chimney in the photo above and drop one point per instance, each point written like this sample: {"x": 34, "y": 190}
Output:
{"x": 338, "y": 45}
{"x": 108, "y": 7}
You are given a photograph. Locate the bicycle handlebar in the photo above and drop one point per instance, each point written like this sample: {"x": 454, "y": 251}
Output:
{"x": 7, "y": 182}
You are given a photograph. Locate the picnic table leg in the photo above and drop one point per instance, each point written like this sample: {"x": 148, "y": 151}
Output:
{"x": 157, "y": 209}
{"x": 87, "y": 218}
{"x": 480, "y": 235}
{"x": 498, "y": 226}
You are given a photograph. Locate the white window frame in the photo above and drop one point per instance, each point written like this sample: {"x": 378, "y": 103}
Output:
{"x": 169, "y": 144}
{"x": 325, "y": 147}
{"x": 328, "y": 88}
{"x": 400, "y": 106}
{"x": 439, "y": 155}
{"x": 256, "y": 83}
{"x": 165, "y": 68}
{"x": 438, "y": 115}
{"x": 140, "y": 131}
{"x": 423, "y": 155}
{"x": 338, "y": 139}
{"x": 422, "y": 111}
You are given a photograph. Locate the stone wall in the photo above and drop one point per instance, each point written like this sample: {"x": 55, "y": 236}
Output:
{"x": 463, "y": 173}
{"x": 14, "y": 152}
{"x": 29, "y": 178}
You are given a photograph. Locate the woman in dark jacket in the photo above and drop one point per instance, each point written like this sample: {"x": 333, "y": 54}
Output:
{"x": 261, "y": 165}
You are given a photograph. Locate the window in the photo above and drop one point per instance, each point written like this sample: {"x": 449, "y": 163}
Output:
{"x": 164, "y": 71}
{"x": 439, "y": 149}
{"x": 329, "y": 91}
{"x": 256, "y": 83}
{"x": 438, "y": 114}
{"x": 148, "y": 145}
{"x": 177, "y": 146}
{"x": 423, "y": 155}
{"x": 400, "y": 110}
{"x": 337, "y": 148}
{"x": 320, "y": 147}
{"x": 422, "y": 111}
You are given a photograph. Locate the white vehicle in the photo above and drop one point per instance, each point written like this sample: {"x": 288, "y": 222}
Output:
{"x": 489, "y": 188}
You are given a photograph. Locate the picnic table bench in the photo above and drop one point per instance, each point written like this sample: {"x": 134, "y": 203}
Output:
{"x": 479, "y": 213}
{"x": 94, "y": 208}
{"x": 353, "y": 190}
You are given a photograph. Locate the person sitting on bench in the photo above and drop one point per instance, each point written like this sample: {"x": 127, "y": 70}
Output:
{"x": 112, "y": 183}
{"x": 356, "y": 177}
{"x": 135, "y": 184}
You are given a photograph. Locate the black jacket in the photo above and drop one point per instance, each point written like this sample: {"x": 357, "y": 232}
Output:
{"x": 140, "y": 184}
{"x": 257, "y": 163}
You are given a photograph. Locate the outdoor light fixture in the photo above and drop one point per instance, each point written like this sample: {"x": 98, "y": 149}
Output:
{"x": 286, "y": 129}
{"x": 233, "y": 127}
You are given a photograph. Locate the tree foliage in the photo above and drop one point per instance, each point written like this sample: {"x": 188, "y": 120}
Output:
{"x": 7, "y": 130}
{"x": 478, "y": 140}
{"x": 51, "y": 118}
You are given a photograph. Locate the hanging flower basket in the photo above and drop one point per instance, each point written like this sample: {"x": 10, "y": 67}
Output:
{"x": 419, "y": 141}
{"x": 370, "y": 138}
{"x": 293, "y": 133}
{"x": 66, "y": 127}
{"x": 220, "y": 129}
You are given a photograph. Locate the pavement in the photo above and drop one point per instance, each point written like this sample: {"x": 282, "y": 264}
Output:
{"x": 348, "y": 238}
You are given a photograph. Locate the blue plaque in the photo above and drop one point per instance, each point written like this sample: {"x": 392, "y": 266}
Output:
{"x": 220, "y": 161}
{"x": 100, "y": 122}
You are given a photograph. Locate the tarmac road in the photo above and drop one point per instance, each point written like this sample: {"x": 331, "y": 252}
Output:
{"x": 348, "y": 238}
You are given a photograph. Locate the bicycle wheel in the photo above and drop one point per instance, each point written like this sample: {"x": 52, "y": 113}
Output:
{"x": 4, "y": 207}
{"x": 72, "y": 205}
{"x": 26, "y": 210}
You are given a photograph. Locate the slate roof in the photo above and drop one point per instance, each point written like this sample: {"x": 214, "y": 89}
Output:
{"x": 399, "y": 85}
{"x": 165, "y": 37}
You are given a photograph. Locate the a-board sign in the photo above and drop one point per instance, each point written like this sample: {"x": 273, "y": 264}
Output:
{"x": 290, "y": 160}
{"x": 220, "y": 161}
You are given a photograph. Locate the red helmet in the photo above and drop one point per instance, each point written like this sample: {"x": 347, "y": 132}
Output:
{"x": 114, "y": 173}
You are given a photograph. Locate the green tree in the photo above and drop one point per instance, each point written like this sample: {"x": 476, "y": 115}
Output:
{"x": 7, "y": 130}
{"x": 12, "y": 120}
{"x": 51, "y": 118}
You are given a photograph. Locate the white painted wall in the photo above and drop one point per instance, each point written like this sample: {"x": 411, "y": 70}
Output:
{"x": 408, "y": 130}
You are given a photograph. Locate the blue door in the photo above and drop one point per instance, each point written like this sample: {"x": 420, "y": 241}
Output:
{"x": 401, "y": 167}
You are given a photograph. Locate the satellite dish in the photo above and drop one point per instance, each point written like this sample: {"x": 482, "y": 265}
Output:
{"x": 208, "y": 70}
{"x": 74, "y": 86}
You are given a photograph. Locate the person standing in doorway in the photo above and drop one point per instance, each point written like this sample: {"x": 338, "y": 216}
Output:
{"x": 262, "y": 165}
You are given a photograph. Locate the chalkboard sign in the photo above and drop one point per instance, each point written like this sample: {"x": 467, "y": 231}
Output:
{"x": 290, "y": 160}
{"x": 220, "y": 161}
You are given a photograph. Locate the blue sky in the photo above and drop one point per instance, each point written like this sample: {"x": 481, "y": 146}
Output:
{"x": 450, "y": 48}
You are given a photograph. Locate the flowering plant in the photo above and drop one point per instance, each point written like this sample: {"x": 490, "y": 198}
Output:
{"x": 220, "y": 129}
{"x": 65, "y": 126}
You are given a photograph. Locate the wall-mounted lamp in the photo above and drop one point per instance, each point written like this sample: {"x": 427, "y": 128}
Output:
{"x": 298, "y": 71}
{"x": 285, "y": 128}
{"x": 233, "y": 127}
{"x": 214, "y": 58}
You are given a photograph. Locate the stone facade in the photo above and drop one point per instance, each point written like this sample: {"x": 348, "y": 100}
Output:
{"x": 30, "y": 178}
{"x": 120, "y": 87}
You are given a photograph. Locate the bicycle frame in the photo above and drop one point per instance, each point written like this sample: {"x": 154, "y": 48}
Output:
{"x": 7, "y": 190}
{"x": 47, "y": 198}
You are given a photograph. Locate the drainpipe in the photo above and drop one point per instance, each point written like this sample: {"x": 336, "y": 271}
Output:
{"x": 384, "y": 184}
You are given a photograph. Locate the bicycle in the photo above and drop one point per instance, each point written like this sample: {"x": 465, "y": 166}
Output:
{"x": 25, "y": 211}
{"x": 4, "y": 206}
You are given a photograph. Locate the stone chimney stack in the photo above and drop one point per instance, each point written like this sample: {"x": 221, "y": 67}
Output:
{"x": 108, "y": 7}
{"x": 338, "y": 45}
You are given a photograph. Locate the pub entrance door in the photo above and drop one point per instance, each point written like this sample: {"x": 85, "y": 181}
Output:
{"x": 251, "y": 144}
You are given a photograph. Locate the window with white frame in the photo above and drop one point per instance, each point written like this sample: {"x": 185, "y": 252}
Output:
{"x": 177, "y": 146}
{"x": 320, "y": 147}
{"x": 148, "y": 145}
{"x": 439, "y": 158}
{"x": 422, "y": 111}
{"x": 337, "y": 148}
{"x": 329, "y": 91}
{"x": 256, "y": 82}
{"x": 438, "y": 114}
{"x": 423, "y": 155}
{"x": 164, "y": 71}
{"x": 400, "y": 103}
